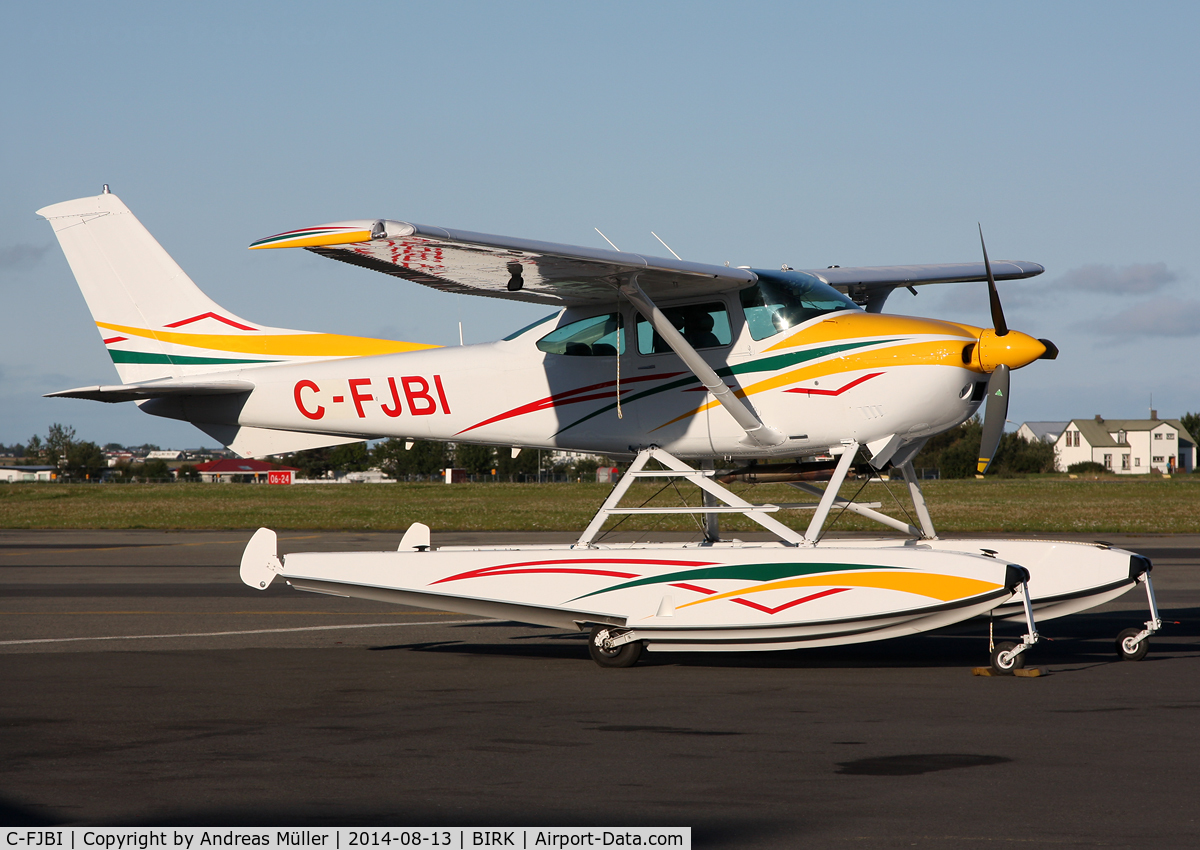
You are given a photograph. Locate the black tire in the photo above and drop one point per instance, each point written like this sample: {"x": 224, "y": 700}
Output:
{"x": 1013, "y": 663}
{"x": 625, "y": 655}
{"x": 1137, "y": 653}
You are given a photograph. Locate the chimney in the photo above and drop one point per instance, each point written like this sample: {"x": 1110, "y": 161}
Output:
{"x": 1154, "y": 414}
{"x": 1099, "y": 418}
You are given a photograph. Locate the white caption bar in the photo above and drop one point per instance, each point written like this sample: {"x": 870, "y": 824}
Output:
{"x": 346, "y": 838}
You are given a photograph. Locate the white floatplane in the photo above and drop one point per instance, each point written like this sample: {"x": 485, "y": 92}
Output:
{"x": 659, "y": 360}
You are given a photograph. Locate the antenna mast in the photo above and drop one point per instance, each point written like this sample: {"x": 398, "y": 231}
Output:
{"x": 606, "y": 239}
{"x": 665, "y": 245}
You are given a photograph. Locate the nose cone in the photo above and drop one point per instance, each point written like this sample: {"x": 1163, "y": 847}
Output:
{"x": 1013, "y": 350}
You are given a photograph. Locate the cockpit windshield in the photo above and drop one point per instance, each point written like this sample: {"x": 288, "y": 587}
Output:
{"x": 783, "y": 300}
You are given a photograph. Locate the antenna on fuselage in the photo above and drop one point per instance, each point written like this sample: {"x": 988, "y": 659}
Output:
{"x": 606, "y": 239}
{"x": 665, "y": 245}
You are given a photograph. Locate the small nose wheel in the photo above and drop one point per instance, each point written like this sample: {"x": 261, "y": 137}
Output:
{"x": 604, "y": 653}
{"x": 1005, "y": 659}
{"x": 1130, "y": 648}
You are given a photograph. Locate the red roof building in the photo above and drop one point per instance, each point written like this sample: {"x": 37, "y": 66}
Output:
{"x": 246, "y": 471}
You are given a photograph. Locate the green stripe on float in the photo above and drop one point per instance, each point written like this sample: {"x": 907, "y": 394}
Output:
{"x": 744, "y": 572}
{"x": 174, "y": 359}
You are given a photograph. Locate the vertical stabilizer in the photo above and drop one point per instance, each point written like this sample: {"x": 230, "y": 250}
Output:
{"x": 132, "y": 284}
{"x": 155, "y": 322}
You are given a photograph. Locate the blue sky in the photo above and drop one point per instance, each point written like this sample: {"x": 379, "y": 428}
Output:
{"x": 754, "y": 133}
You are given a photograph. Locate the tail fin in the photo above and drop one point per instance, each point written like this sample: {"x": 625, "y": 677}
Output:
{"x": 155, "y": 322}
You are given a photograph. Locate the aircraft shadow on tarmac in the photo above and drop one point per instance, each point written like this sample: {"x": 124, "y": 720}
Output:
{"x": 1083, "y": 639}
{"x": 706, "y": 831}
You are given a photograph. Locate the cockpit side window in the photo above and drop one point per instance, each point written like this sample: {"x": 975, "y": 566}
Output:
{"x": 596, "y": 336}
{"x": 531, "y": 326}
{"x": 702, "y": 325}
{"x": 783, "y": 300}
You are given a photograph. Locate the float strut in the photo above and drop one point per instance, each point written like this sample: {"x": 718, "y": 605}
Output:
{"x": 1029, "y": 638}
{"x": 1155, "y": 622}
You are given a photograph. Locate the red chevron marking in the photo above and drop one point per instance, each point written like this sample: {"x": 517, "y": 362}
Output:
{"x": 853, "y": 383}
{"x": 210, "y": 315}
{"x": 787, "y": 605}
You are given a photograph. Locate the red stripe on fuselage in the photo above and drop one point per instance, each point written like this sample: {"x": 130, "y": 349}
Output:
{"x": 569, "y": 397}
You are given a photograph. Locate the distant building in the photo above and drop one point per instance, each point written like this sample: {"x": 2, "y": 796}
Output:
{"x": 16, "y": 474}
{"x": 246, "y": 471}
{"x": 1127, "y": 446}
{"x": 166, "y": 454}
{"x": 1047, "y": 432}
{"x": 115, "y": 458}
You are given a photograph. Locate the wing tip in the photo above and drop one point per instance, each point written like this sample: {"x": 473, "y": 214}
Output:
{"x": 314, "y": 236}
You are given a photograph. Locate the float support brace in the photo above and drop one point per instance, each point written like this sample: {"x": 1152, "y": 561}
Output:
{"x": 849, "y": 450}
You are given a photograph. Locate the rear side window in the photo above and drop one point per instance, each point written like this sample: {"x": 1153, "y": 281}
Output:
{"x": 598, "y": 336}
{"x": 702, "y": 325}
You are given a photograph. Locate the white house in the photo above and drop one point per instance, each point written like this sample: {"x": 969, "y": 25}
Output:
{"x": 1127, "y": 446}
{"x": 28, "y": 473}
{"x": 1047, "y": 432}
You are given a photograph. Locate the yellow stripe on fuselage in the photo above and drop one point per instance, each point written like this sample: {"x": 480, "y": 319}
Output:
{"x": 279, "y": 345}
{"x": 935, "y": 586}
{"x": 852, "y": 325}
{"x": 943, "y": 352}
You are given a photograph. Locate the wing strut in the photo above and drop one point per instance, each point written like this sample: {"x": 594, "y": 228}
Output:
{"x": 757, "y": 432}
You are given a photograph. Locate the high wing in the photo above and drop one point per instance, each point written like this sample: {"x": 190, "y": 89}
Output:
{"x": 504, "y": 267}
{"x": 871, "y": 285}
{"x": 550, "y": 273}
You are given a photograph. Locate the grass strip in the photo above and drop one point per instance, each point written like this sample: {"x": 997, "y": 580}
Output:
{"x": 1034, "y": 504}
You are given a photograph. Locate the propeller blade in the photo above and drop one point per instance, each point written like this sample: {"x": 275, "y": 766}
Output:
{"x": 998, "y": 323}
{"x": 994, "y": 417}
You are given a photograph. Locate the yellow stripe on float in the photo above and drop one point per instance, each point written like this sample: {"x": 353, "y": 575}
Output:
{"x": 934, "y": 585}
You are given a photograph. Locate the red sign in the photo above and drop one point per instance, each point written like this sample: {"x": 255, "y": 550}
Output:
{"x": 279, "y": 476}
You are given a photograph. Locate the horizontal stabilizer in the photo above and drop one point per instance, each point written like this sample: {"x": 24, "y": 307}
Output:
{"x": 136, "y": 392}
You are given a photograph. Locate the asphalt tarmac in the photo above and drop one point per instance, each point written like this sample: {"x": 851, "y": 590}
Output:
{"x": 142, "y": 684}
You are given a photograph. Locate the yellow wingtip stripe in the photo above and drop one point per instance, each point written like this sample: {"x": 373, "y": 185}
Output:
{"x": 312, "y": 241}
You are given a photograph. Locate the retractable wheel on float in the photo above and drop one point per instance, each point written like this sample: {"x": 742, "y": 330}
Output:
{"x": 605, "y": 650}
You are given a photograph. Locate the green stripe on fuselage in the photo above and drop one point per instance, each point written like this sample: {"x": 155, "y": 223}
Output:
{"x": 766, "y": 364}
{"x": 119, "y": 356}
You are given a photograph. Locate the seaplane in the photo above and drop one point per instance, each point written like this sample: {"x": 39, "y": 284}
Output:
{"x": 692, "y": 372}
